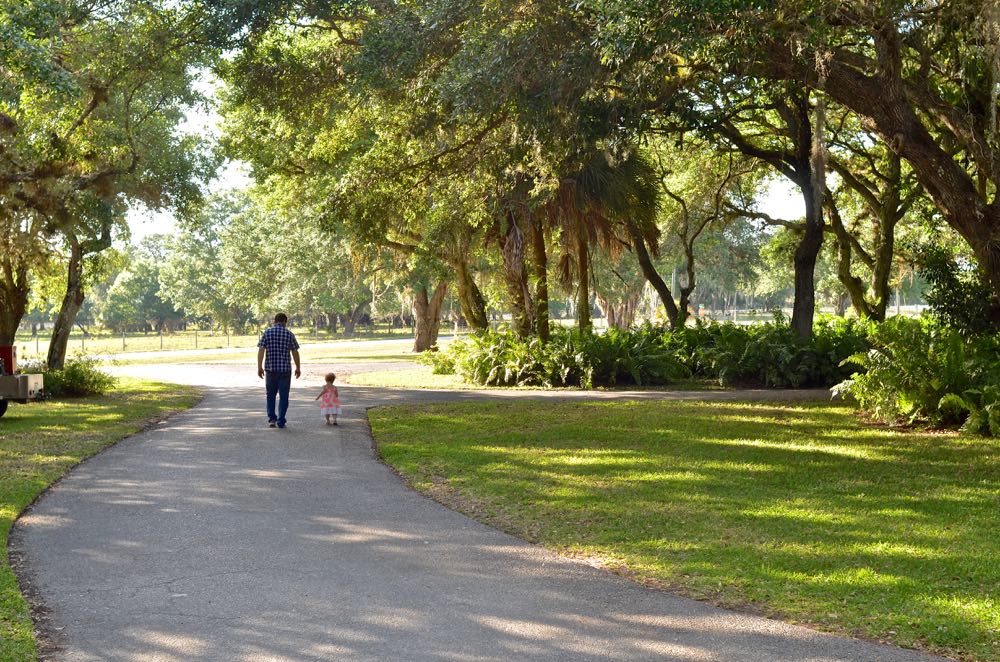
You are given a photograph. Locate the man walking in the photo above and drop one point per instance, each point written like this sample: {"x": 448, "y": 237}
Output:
{"x": 277, "y": 343}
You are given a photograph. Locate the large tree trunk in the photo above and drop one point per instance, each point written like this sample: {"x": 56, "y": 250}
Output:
{"x": 871, "y": 307}
{"x": 883, "y": 265}
{"x": 891, "y": 212}
{"x": 620, "y": 314}
{"x": 805, "y": 165}
{"x": 14, "y": 290}
{"x": 652, "y": 276}
{"x": 813, "y": 139}
{"x": 353, "y": 317}
{"x": 71, "y": 304}
{"x": 685, "y": 290}
{"x": 427, "y": 316}
{"x": 806, "y": 255}
{"x": 517, "y": 277}
{"x": 885, "y": 204}
{"x": 471, "y": 298}
{"x": 683, "y": 310}
{"x": 841, "y": 307}
{"x": 882, "y": 100}
{"x": 584, "y": 322}
{"x": 541, "y": 261}
{"x": 855, "y": 287}
{"x": 349, "y": 323}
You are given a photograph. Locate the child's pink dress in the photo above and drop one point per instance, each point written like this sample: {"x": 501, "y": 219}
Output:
{"x": 329, "y": 403}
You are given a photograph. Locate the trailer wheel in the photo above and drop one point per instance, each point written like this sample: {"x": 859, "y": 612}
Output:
{"x": 3, "y": 408}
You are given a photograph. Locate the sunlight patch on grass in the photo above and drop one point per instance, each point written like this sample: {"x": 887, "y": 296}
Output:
{"x": 40, "y": 442}
{"x": 797, "y": 509}
{"x": 417, "y": 377}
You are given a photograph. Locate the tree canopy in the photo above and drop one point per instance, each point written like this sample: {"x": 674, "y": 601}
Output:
{"x": 511, "y": 153}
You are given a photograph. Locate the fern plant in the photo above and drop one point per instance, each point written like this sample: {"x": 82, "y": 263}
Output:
{"x": 918, "y": 371}
{"x": 979, "y": 406}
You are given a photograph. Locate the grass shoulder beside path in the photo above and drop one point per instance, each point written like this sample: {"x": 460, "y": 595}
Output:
{"x": 419, "y": 376}
{"x": 38, "y": 444}
{"x": 793, "y": 510}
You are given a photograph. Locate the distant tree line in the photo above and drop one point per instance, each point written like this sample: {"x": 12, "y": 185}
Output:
{"x": 509, "y": 156}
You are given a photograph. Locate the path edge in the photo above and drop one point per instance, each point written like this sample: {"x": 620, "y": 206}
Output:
{"x": 46, "y": 638}
{"x": 627, "y": 574}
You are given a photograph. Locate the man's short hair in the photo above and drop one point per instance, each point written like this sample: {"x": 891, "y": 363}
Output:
{"x": 281, "y": 318}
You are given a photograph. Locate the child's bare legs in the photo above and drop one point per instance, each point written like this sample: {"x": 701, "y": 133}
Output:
{"x": 328, "y": 419}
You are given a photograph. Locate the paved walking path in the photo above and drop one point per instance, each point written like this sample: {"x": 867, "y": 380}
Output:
{"x": 212, "y": 537}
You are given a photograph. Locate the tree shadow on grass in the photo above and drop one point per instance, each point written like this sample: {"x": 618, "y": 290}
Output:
{"x": 797, "y": 507}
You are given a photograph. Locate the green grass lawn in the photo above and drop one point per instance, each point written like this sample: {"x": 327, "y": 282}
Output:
{"x": 417, "y": 377}
{"x": 38, "y": 444}
{"x": 793, "y": 510}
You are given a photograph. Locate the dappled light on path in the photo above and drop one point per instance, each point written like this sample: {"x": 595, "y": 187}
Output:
{"x": 213, "y": 537}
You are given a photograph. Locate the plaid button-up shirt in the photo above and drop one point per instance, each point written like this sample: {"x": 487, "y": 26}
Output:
{"x": 279, "y": 342}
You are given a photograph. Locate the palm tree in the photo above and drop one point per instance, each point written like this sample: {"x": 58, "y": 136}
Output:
{"x": 603, "y": 202}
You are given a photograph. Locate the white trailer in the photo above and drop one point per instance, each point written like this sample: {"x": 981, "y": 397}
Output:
{"x": 16, "y": 387}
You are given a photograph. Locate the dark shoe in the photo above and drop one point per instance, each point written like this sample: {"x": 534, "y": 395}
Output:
{"x": 281, "y": 426}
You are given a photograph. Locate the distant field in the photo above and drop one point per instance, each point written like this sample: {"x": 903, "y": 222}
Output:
{"x": 107, "y": 343}
{"x": 389, "y": 349}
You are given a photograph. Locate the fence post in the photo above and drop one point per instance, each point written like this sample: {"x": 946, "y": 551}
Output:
{"x": 196, "y": 338}
{"x": 161, "y": 340}
{"x": 123, "y": 341}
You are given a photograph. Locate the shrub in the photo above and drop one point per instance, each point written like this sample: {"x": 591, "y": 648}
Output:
{"x": 79, "y": 376}
{"x": 639, "y": 357}
{"x": 442, "y": 363}
{"x": 958, "y": 293}
{"x": 770, "y": 354}
{"x": 922, "y": 371}
{"x": 500, "y": 358}
{"x": 764, "y": 355}
{"x": 979, "y": 407}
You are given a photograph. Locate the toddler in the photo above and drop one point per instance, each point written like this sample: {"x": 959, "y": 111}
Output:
{"x": 329, "y": 400}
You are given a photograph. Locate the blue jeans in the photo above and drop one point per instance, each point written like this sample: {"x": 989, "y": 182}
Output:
{"x": 277, "y": 384}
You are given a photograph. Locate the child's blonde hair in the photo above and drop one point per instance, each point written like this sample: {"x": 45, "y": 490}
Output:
{"x": 330, "y": 377}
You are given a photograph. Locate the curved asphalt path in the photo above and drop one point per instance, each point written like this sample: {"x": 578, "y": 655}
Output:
{"x": 213, "y": 537}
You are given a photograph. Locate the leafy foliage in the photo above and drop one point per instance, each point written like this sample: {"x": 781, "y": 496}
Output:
{"x": 502, "y": 358}
{"x": 919, "y": 371}
{"x": 92, "y": 102}
{"x": 769, "y": 355}
{"x": 959, "y": 295}
{"x": 134, "y": 300}
{"x": 981, "y": 407}
{"x": 79, "y": 376}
